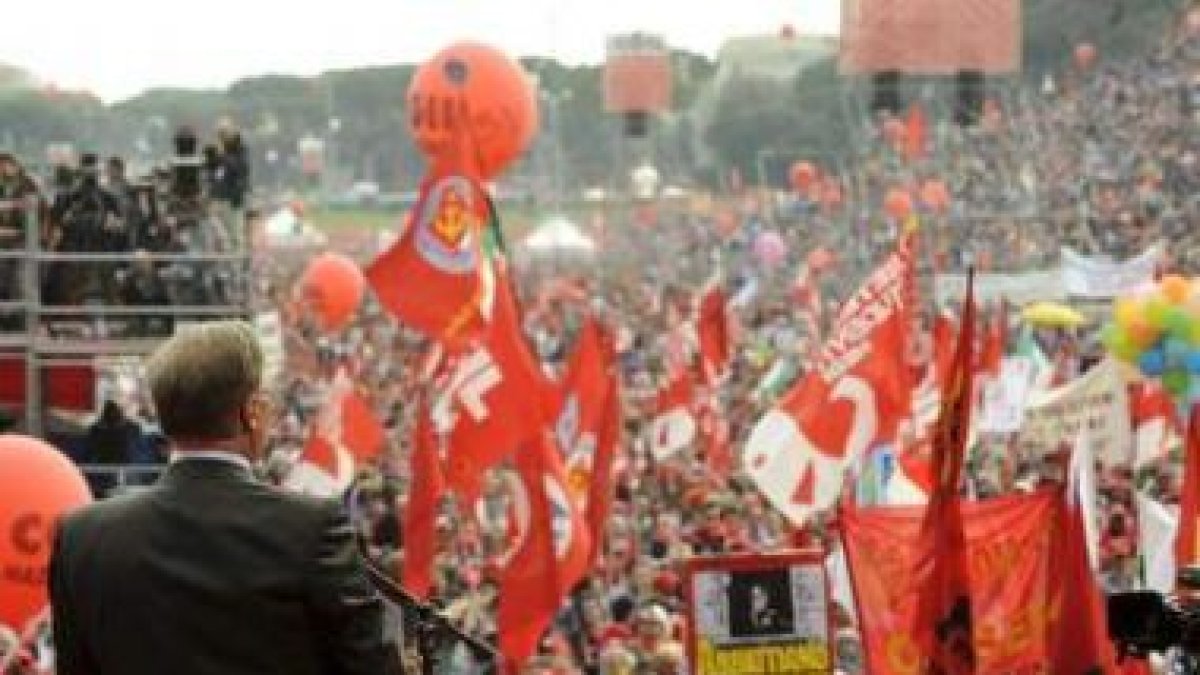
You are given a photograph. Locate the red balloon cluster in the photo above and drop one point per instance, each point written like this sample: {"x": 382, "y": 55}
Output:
{"x": 471, "y": 103}
{"x": 898, "y": 204}
{"x": 332, "y": 289}
{"x": 38, "y": 484}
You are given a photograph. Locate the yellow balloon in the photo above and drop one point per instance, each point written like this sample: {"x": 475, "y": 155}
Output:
{"x": 1126, "y": 311}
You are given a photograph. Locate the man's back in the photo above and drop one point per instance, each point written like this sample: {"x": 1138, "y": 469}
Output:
{"x": 211, "y": 572}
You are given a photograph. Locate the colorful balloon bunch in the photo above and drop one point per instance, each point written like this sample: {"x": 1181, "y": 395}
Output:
{"x": 1159, "y": 332}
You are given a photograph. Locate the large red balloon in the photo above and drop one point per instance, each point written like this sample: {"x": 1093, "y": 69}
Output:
{"x": 38, "y": 484}
{"x": 332, "y": 287}
{"x": 802, "y": 176}
{"x": 471, "y": 103}
{"x": 898, "y": 204}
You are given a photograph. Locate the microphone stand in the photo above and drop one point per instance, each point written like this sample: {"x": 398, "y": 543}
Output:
{"x": 433, "y": 630}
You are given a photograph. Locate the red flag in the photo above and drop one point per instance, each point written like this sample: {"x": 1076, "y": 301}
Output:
{"x": 854, "y": 397}
{"x": 1187, "y": 548}
{"x": 944, "y": 331}
{"x": 550, "y": 559}
{"x": 421, "y": 512}
{"x": 491, "y": 396}
{"x": 673, "y": 426}
{"x": 583, "y": 405}
{"x": 914, "y": 136}
{"x": 713, "y": 334}
{"x": 608, "y": 445}
{"x": 433, "y": 278}
{"x": 944, "y": 607}
{"x": 1082, "y": 644}
{"x": 346, "y": 433}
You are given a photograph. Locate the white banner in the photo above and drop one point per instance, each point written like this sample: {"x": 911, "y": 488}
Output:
{"x": 1018, "y": 289}
{"x": 1004, "y": 397}
{"x": 1099, "y": 400}
{"x": 1090, "y": 277}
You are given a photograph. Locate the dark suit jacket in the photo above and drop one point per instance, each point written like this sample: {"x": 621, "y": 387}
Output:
{"x": 209, "y": 572}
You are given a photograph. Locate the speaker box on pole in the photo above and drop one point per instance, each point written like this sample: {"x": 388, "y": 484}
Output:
{"x": 968, "y": 107}
{"x": 885, "y": 95}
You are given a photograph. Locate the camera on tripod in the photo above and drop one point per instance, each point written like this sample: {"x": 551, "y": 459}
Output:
{"x": 1141, "y": 622}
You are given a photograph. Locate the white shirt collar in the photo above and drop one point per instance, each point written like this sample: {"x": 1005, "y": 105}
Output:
{"x": 211, "y": 455}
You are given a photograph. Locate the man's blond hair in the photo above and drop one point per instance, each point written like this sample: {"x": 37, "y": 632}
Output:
{"x": 203, "y": 376}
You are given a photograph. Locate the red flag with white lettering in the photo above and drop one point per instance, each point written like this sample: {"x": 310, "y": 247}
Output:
{"x": 491, "y": 396}
{"x": 1187, "y": 545}
{"x": 854, "y": 397}
{"x": 583, "y": 406}
{"x": 551, "y": 556}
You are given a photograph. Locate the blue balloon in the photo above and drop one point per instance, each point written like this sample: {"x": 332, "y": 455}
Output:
{"x": 1153, "y": 362}
{"x": 1193, "y": 361}
{"x": 1177, "y": 352}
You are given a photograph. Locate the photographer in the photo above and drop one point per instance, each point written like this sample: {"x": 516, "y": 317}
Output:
{"x": 17, "y": 190}
{"x": 88, "y": 220}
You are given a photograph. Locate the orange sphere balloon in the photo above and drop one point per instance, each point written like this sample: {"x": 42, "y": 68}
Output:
{"x": 802, "y": 176}
{"x": 470, "y": 102}
{"x": 38, "y": 484}
{"x": 935, "y": 195}
{"x": 1176, "y": 289}
{"x": 332, "y": 287}
{"x": 898, "y": 204}
{"x": 1085, "y": 54}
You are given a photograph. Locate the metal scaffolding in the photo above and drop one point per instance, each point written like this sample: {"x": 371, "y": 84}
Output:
{"x": 38, "y": 346}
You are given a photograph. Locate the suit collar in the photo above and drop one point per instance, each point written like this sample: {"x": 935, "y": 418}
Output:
{"x": 203, "y": 467}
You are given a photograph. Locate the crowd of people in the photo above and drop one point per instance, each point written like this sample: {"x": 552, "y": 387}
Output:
{"x": 1103, "y": 159}
{"x": 193, "y": 204}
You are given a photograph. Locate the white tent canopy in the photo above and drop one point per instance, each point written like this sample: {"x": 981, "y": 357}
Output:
{"x": 558, "y": 234}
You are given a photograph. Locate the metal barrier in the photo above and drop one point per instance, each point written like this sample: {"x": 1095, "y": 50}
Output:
{"x": 77, "y": 331}
{"x": 116, "y": 478}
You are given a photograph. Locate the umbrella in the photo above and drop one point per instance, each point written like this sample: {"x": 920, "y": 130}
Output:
{"x": 559, "y": 235}
{"x": 1052, "y": 315}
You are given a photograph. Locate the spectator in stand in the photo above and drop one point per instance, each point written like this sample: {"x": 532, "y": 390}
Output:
{"x": 230, "y": 183}
{"x": 17, "y": 190}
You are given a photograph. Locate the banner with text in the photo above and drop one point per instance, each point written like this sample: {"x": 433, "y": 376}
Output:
{"x": 1093, "y": 277}
{"x": 1013, "y": 594}
{"x": 759, "y": 614}
{"x": 1098, "y": 400}
{"x": 1004, "y": 398}
{"x": 1018, "y": 289}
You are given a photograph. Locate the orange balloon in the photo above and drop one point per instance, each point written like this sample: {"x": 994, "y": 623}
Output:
{"x": 38, "y": 484}
{"x": 472, "y": 103}
{"x": 1176, "y": 289}
{"x": 332, "y": 287}
{"x": 1142, "y": 334}
{"x": 1085, "y": 54}
{"x": 935, "y": 195}
{"x": 802, "y": 175}
{"x": 898, "y": 204}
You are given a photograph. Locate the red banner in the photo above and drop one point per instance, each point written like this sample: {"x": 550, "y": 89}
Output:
{"x": 1015, "y": 591}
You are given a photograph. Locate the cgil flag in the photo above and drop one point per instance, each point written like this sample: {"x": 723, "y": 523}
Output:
{"x": 550, "y": 556}
{"x": 345, "y": 435}
{"x": 854, "y": 397}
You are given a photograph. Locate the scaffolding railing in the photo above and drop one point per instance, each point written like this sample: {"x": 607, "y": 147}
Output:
{"x": 79, "y": 331}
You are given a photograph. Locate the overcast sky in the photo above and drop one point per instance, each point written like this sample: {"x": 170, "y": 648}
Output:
{"x": 117, "y": 48}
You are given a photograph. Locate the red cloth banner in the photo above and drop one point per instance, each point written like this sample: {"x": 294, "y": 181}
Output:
{"x": 1016, "y": 593}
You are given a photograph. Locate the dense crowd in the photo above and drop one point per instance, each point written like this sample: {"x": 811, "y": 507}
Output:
{"x": 1102, "y": 159}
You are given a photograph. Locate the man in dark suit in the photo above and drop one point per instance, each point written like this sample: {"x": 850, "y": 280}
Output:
{"x": 210, "y": 571}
